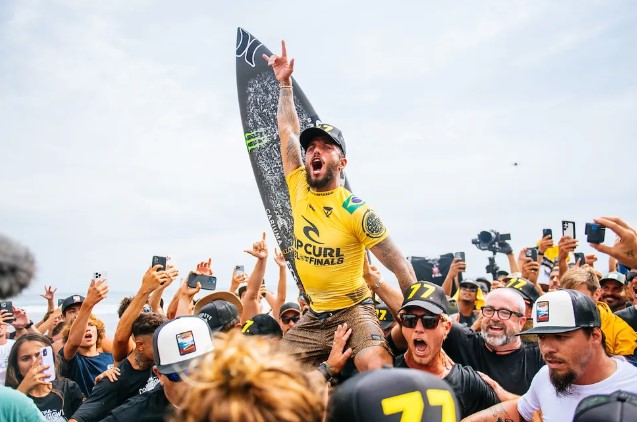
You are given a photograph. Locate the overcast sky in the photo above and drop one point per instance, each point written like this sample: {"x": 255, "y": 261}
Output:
{"x": 121, "y": 136}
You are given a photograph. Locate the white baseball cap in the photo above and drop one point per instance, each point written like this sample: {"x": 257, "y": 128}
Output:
{"x": 178, "y": 342}
{"x": 563, "y": 311}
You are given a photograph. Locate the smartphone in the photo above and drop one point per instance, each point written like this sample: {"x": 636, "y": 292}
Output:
{"x": 46, "y": 354}
{"x": 547, "y": 232}
{"x": 595, "y": 233}
{"x": 208, "y": 282}
{"x": 459, "y": 255}
{"x": 238, "y": 269}
{"x": 60, "y": 301}
{"x": 568, "y": 228}
{"x": 581, "y": 257}
{"x": 7, "y": 305}
{"x": 531, "y": 253}
{"x": 98, "y": 274}
{"x": 159, "y": 260}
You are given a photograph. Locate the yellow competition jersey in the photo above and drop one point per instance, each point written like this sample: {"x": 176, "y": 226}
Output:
{"x": 331, "y": 231}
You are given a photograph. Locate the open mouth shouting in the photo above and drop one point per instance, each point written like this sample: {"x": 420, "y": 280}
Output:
{"x": 420, "y": 347}
{"x": 316, "y": 166}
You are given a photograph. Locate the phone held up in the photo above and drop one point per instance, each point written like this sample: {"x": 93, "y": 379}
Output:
{"x": 595, "y": 233}
{"x": 568, "y": 229}
{"x": 7, "y": 305}
{"x": 159, "y": 260}
{"x": 238, "y": 269}
{"x": 459, "y": 255}
{"x": 547, "y": 232}
{"x": 531, "y": 253}
{"x": 580, "y": 256}
{"x": 46, "y": 354}
{"x": 208, "y": 282}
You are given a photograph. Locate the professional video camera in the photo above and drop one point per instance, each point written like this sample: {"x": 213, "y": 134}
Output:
{"x": 492, "y": 241}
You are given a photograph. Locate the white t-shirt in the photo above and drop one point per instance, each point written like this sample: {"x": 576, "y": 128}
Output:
{"x": 542, "y": 395}
{"x": 4, "y": 359}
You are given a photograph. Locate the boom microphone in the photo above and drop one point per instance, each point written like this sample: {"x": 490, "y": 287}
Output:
{"x": 17, "y": 267}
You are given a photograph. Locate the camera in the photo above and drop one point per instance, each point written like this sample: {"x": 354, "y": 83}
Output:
{"x": 595, "y": 233}
{"x": 491, "y": 241}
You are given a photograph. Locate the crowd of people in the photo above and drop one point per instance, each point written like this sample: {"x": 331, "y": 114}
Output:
{"x": 353, "y": 346}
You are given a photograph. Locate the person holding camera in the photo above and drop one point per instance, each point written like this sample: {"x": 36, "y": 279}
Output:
{"x": 332, "y": 229}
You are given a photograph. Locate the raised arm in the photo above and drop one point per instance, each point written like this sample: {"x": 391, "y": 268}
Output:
{"x": 390, "y": 295}
{"x": 97, "y": 291}
{"x": 457, "y": 266}
{"x": 391, "y": 257}
{"x": 251, "y": 298}
{"x": 282, "y": 290}
{"x": 288, "y": 120}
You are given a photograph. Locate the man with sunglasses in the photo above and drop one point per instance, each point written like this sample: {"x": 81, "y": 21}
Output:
{"x": 289, "y": 315}
{"x": 425, "y": 323}
{"x": 497, "y": 350}
{"x": 177, "y": 344}
{"x": 467, "y": 297}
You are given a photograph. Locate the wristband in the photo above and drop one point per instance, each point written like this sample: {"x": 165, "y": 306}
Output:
{"x": 325, "y": 371}
{"x": 377, "y": 285}
{"x": 29, "y": 325}
{"x": 540, "y": 253}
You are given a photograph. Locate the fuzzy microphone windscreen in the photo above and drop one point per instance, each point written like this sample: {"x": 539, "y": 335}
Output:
{"x": 17, "y": 267}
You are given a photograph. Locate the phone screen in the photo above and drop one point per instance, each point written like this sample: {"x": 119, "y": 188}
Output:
{"x": 568, "y": 228}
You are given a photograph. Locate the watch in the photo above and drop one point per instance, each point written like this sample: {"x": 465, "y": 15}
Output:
{"x": 29, "y": 325}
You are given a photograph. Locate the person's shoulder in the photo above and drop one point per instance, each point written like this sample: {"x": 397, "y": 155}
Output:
{"x": 17, "y": 406}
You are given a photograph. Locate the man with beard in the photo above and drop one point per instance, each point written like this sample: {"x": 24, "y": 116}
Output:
{"x": 567, "y": 324}
{"x": 496, "y": 350}
{"x": 425, "y": 323}
{"x": 332, "y": 228}
{"x": 613, "y": 290}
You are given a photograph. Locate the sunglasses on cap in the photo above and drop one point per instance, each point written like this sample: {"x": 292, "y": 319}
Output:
{"x": 286, "y": 320}
{"x": 411, "y": 320}
{"x": 174, "y": 377}
{"x": 470, "y": 288}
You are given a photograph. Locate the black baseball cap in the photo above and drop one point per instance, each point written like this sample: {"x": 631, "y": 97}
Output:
{"x": 70, "y": 301}
{"x": 290, "y": 306}
{"x": 323, "y": 130}
{"x": 218, "y": 313}
{"x": 385, "y": 317}
{"x": 620, "y": 406}
{"x": 469, "y": 282}
{"x": 361, "y": 397}
{"x": 262, "y": 325}
{"x": 426, "y": 295}
{"x": 523, "y": 287}
{"x": 562, "y": 311}
{"x": 630, "y": 276}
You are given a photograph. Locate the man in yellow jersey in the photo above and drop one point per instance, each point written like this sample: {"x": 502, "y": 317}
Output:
{"x": 332, "y": 228}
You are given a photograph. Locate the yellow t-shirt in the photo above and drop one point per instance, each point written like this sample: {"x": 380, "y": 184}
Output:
{"x": 331, "y": 231}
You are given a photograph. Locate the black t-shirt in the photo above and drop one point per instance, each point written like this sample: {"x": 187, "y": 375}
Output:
{"x": 148, "y": 407}
{"x": 513, "y": 371}
{"x": 60, "y": 403}
{"x": 83, "y": 369}
{"x": 472, "y": 392}
{"x": 467, "y": 321}
{"x": 629, "y": 315}
{"x": 107, "y": 395}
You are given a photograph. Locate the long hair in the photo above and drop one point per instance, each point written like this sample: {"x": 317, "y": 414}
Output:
{"x": 248, "y": 379}
{"x": 14, "y": 377}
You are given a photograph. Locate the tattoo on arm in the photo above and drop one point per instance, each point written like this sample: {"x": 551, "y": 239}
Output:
{"x": 390, "y": 256}
{"x": 289, "y": 129}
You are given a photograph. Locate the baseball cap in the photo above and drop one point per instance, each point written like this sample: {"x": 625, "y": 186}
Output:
{"x": 178, "y": 342}
{"x": 323, "y": 129}
{"x": 502, "y": 273}
{"x": 523, "y": 287}
{"x": 428, "y": 296}
{"x": 225, "y": 296}
{"x": 630, "y": 276}
{"x": 218, "y": 313}
{"x": 70, "y": 301}
{"x": 361, "y": 397}
{"x": 290, "y": 306}
{"x": 469, "y": 282}
{"x": 562, "y": 311}
{"x": 620, "y": 406}
{"x": 615, "y": 276}
{"x": 485, "y": 281}
{"x": 385, "y": 317}
{"x": 242, "y": 288}
{"x": 262, "y": 325}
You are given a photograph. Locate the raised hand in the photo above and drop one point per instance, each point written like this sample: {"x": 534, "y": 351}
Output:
{"x": 371, "y": 274}
{"x": 281, "y": 66}
{"x": 338, "y": 357}
{"x": 36, "y": 376}
{"x": 259, "y": 249}
{"x": 279, "y": 258}
{"x": 204, "y": 267}
{"x": 545, "y": 243}
{"x": 457, "y": 266}
{"x": 97, "y": 291}
{"x": 49, "y": 293}
{"x": 566, "y": 245}
{"x": 625, "y": 251}
{"x": 21, "y": 317}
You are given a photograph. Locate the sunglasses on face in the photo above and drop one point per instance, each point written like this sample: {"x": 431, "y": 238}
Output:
{"x": 503, "y": 314}
{"x": 286, "y": 320}
{"x": 411, "y": 320}
{"x": 174, "y": 377}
